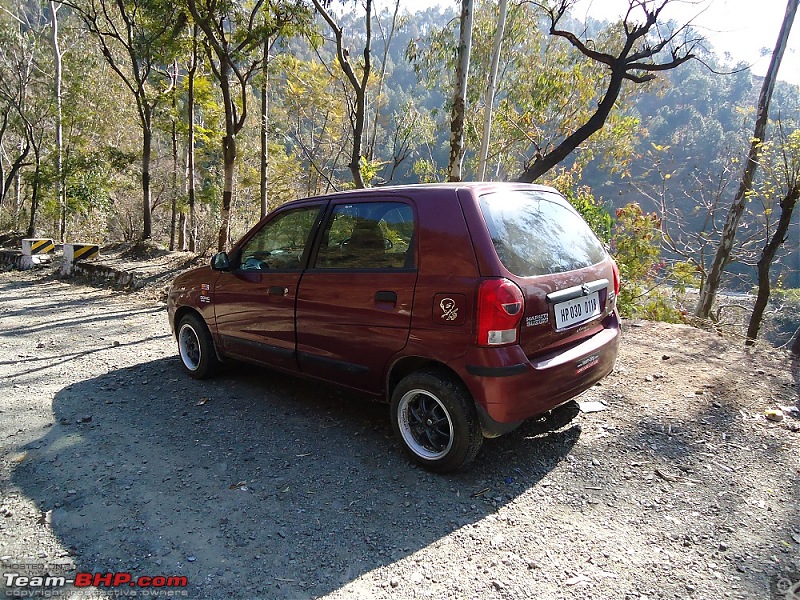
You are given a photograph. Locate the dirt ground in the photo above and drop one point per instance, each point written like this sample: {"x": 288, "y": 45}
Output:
{"x": 258, "y": 485}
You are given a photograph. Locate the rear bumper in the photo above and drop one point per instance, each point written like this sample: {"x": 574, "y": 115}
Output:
{"x": 509, "y": 388}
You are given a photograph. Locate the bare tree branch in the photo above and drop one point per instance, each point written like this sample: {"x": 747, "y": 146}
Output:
{"x": 627, "y": 65}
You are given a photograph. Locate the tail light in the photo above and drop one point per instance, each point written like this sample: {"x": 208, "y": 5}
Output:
{"x": 615, "y": 270}
{"x": 500, "y": 309}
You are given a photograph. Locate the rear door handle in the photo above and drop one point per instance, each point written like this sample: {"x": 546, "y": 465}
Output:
{"x": 390, "y": 297}
{"x": 278, "y": 290}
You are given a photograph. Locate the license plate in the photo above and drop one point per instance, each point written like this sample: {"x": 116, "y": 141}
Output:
{"x": 577, "y": 310}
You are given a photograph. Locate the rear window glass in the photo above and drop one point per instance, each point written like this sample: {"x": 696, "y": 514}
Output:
{"x": 538, "y": 233}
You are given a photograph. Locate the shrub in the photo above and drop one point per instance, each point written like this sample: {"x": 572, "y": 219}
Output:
{"x": 636, "y": 246}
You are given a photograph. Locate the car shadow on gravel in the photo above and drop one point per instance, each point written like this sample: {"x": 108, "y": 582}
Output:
{"x": 255, "y": 484}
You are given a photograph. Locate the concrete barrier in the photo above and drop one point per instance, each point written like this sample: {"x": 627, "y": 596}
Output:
{"x": 74, "y": 253}
{"x": 76, "y": 263}
{"x": 12, "y": 259}
{"x": 37, "y": 246}
{"x": 35, "y": 251}
{"x": 103, "y": 274}
{"x": 15, "y": 259}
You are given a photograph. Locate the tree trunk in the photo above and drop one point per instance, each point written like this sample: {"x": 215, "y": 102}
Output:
{"x": 173, "y": 222}
{"x": 228, "y": 157}
{"x": 264, "y": 181}
{"x": 190, "y": 148}
{"x": 723, "y": 255}
{"x": 542, "y": 164}
{"x": 460, "y": 93}
{"x": 361, "y": 104}
{"x": 17, "y": 198}
{"x": 190, "y": 193}
{"x": 31, "y": 232}
{"x": 62, "y": 198}
{"x": 3, "y": 126}
{"x": 8, "y": 178}
{"x": 182, "y": 232}
{"x": 358, "y": 132}
{"x": 229, "y": 160}
{"x": 174, "y": 212}
{"x": 765, "y": 263}
{"x": 359, "y": 86}
{"x": 491, "y": 89}
{"x": 147, "y": 136}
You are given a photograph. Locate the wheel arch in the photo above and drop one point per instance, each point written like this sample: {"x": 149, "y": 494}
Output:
{"x": 410, "y": 364}
{"x": 181, "y": 312}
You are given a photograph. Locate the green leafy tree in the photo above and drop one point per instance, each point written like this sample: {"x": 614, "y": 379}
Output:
{"x": 357, "y": 107}
{"x": 99, "y": 133}
{"x": 722, "y": 257}
{"x": 583, "y": 200}
{"x": 310, "y": 115}
{"x": 636, "y": 244}
{"x": 388, "y": 23}
{"x": 136, "y": 38}
{"x": 412, "y": 132}
{"x": 545, "y": 90}
{"x": 232, "y": 38}
{"x": 20, "y": 49}
{"x": 25, "y": 109}
{"x": 780, "y": 161}
{"x": 634, "y": 55}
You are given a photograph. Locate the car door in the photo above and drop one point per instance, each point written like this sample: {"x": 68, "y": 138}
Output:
{"x": 255, "y": 301}
{"x": 354, "y": 302}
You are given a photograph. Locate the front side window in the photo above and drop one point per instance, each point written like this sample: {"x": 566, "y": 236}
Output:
{"x": 281, "y": 243}
{"x": 538, "y": 233}
{"x": 368, "y": 235}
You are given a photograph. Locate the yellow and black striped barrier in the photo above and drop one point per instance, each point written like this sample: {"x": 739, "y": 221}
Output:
{"x": 75, "y": 252}
{"x": 34, "y": 246}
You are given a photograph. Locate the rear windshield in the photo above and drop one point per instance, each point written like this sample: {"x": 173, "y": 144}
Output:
{"x": 538, "y": 233}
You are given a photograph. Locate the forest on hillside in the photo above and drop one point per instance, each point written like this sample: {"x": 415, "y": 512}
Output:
{"x": 184, "y": 122}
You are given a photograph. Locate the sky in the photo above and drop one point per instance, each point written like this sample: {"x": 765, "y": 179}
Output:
{"x": 740, "y": 27}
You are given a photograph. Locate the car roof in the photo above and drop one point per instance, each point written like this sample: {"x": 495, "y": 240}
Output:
{"x": 476, "y": 187}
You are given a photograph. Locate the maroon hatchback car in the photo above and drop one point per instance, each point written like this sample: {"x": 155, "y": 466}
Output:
{"x": 469, "y": 307}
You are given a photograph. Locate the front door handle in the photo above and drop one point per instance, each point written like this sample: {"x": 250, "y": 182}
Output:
{"x": 390, "y": 297}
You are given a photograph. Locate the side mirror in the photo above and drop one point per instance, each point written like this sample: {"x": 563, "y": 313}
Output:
{"x": 220, "y": 262}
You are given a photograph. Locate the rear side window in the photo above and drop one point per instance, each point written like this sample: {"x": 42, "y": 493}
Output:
{"x": 368, "y": 235}
{"x": 538, "y": 233}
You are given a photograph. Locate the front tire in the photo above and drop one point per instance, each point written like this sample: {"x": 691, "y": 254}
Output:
{"x": 434, "y": 418}
{"x": 196, "y": 348}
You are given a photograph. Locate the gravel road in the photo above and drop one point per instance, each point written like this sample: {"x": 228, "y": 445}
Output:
{"x": 258, "y": 485}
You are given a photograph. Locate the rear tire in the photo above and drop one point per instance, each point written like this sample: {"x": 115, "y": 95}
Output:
{"x": 434, "y": 417}
{"x": 196, "y": 348}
